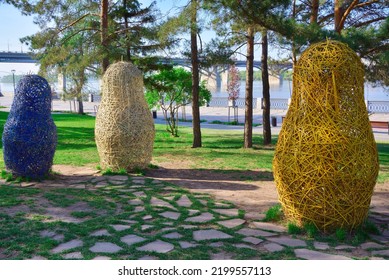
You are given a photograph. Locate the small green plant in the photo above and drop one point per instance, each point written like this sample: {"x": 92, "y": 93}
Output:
{"x": 11, "y": 178}
{"x": 370, "y": 228}
{"x": 153, "y": 166}
{"x": 6, "y": 175}
{"x": 109, "y": 171}
{"x": 341, "y": 234}
{"x": 311, "y": 230}
{"x": 139, "y": 171}
{"x": 293, "y": 228}
{"x": 274, "y": 213}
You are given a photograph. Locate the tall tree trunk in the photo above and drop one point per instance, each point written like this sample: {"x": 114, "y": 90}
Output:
{"x": 265, "y": 91}
{"x": 314, "y": 11}
{"x": 294, "y": 48}
{"x": 128, "y": 49}
{"x": 195, "y": 78}
{"x": 338, "y": 14}
{"x": 104, "y": 34}
{"x": 248, "y": 121}
{"x": 80, "y": 106}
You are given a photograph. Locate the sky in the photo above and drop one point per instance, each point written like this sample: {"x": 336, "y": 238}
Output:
{"x": 13, "y": 26}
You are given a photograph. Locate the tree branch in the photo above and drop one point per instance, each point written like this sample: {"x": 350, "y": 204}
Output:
{"x": 369, "y": 22}
{"x": 347, "y": 13}
{"x": 73, "y": 23}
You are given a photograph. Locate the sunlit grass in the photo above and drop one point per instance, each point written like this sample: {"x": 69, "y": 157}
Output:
{"x": 222, "y": 149}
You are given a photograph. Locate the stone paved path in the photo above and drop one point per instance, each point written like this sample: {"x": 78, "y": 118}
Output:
{"x": 142, "y": 218}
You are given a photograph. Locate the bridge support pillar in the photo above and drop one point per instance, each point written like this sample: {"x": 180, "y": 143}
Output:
{"x": 61, "y": 85}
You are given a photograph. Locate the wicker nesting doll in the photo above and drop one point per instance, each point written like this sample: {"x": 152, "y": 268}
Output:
{"x": 30, "y": 135}
{"x": 124, "y": 126}
{"x": 326, "y": 161}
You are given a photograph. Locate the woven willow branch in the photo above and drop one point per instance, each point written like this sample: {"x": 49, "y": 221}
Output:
{"x": 124, "y": 128}
{"x": 326, "y": 161}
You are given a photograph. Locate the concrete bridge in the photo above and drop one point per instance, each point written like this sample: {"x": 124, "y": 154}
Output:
{"x": 16, "y": 57}
{"x": 216, "y": 76}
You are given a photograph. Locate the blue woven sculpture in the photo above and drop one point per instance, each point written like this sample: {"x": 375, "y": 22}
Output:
{"x": 30, "y": 135}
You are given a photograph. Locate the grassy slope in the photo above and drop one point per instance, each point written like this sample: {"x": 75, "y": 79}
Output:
{"x": 221, "y": 148}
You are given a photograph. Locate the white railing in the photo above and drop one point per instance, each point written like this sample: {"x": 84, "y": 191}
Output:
{"x": 378, "y": 106}
{"x": 275, "y": 103}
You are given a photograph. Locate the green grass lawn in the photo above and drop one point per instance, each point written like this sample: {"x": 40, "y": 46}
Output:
{"x": 221, "y": 148}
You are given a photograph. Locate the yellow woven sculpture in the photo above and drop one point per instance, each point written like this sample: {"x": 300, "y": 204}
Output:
{"x": 124, "y": 128}
{"x": 326, "y": 161}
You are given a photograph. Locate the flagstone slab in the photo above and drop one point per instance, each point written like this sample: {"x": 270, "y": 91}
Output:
{"x": 255, "y": 232}
{"x": 101, "y": 184}
{"x": 135, "y": 202}
{"x": 222, "y": 256}
{"x": 371, "y": 245}
{"x": 287, "y": 241}
{"x": 38, "y": 258}
{"x": 139, "y": 209}
{"x": 232, "y": 223}
{"x": 139, "y": 194}
{"x": 119, "y": 178}
{"x": 254, "y": 216}
{"x": 187, "y": 245}
{"x": 101, "y": 232}
{"x": 138, "y": 181}
{"x": 384, "y": 253}
{"x": 379, "y": 238}
{"x": 103, "y": 258}
{"x": 73, "y": 255}
{"x": 78, "y": 186}
{"x": 321, "y": 245}
{"x": 188, "y": 226}
{"x": 193, "y": 212}
{"x": 105, "y": 247}
{"x": 222, "y": 205}
{"x": 28, "y": 184}
{"x": 148, "y": 258}
{"x": 53, "y": 235}
{"x": 134, "y": 187}
{"x": 170, "y": 215}
{"x": 344, "y": 247}
{"x": 252, "y": 240}
{"x": 172, "y": 235}
{"x": 120, "y": 227}
{"x": 160, "y": 203}
{"x": 227, "y": 212}
{"x": 167, "y": 229}
{"x": 155, "y": 181}
{"x": 184, "y": 201}
{"x": 145, "y": 227}
{"x": 244, "y": 246}
{"x": 157, "y": 246}
{"x": 216, "y": 244}
{"x": 269, "y": 226}
{"x": 208, "y": 234}
{"x": 67, "y": 246}
{"x": 116, "y": 185}
{"x": 273, "y": 247}
{"x": 147, "y": 217}
{"x": 315, "y": 255}
{"x": 202, "y": 218}
{"x": 131, "y": 239}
